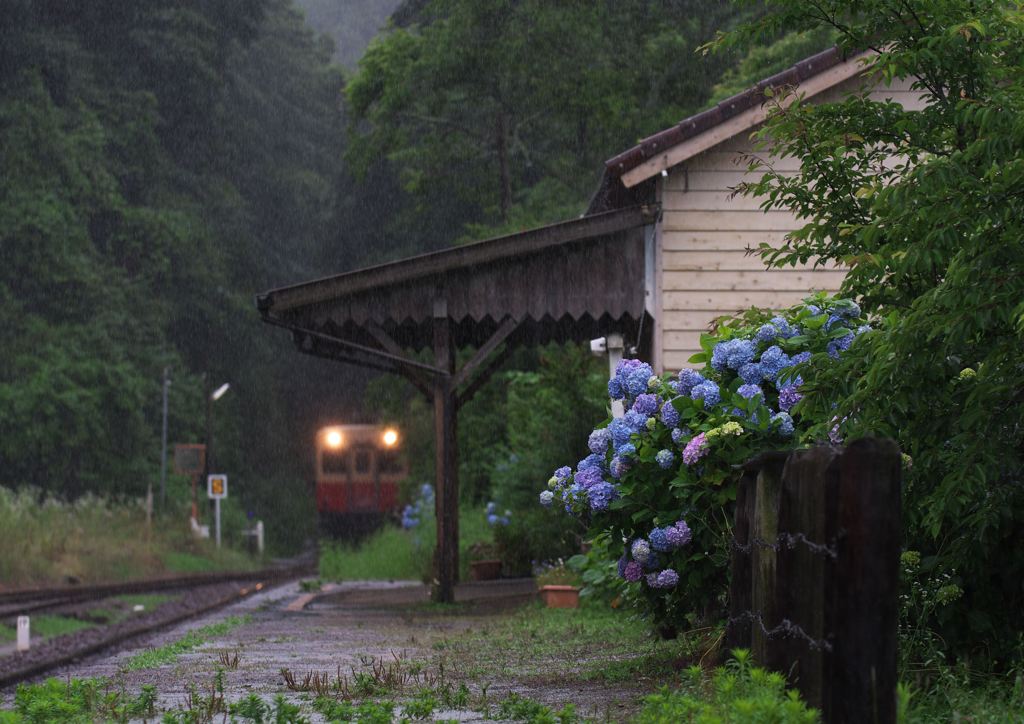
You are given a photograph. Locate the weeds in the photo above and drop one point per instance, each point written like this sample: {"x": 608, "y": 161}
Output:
{"x": 229, "y": 659}
{"x": 169, "y": 653}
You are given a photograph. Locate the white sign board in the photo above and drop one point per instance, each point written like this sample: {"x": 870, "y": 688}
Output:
{"x": 216, "y": 486}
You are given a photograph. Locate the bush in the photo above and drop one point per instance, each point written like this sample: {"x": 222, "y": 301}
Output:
{"x": 662, "y": 478}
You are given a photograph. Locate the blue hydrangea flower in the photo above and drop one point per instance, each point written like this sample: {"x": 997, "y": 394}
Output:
{"x": 833, "y": 319}
{"x": 640, "y": 550}
{"x": 659, "y": 541}
{"x": 669, "y": 414}
{"x": 618, "y": 467}
{"x": 546, "y": 496}
{"x": 786, "y": 330}
{"x": 646, "y": 404}
{"x": 751, "y": 373}
{"x": 789, "y": 396}
{"x": 785, "y": 423}
{"x": 622, "y": 565}
{"x": 492, "y": 507}
{"x": 766, "y": 333}
{"x": 627, "y": 451}
{"x": 863, "y": 328}
{"x": 620, "y": 432}
{"x": 665, "y": 458}
{"x": 732, "y": 354}
{"x": 563, "y": 473}
{"x": 749, "y": 391}
{"x": 615, "y": 390}
{"x": 814, "y": 309}
{"x": 678, "y": 435}
{"x": 707, "y": 391}
{"x": 839, "y": 345}
{"x": 666, "y": 579}
{"x": 800, "y": 358}
{"x": 635, "y": 421}
{"x": 591, "y": 461}
{"x": 601, "y": 495}
{"x": 688, "y": 379}
{"x": 773, "y": 361}
{"x": 599, "y": 440}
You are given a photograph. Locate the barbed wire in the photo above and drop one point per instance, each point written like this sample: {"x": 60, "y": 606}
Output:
{"x": 785, "y": 628}
{"x": 789, "y": 541}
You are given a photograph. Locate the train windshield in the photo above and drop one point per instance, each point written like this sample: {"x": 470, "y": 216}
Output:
{"x": 335, "y": 462}
{"x": 364, "y": 459}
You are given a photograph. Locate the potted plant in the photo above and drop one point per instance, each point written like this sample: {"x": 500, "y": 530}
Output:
{"x": 558, "y": 585}
{"x": 484, "y": 562}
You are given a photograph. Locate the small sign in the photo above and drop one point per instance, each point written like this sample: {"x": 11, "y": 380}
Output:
{"x": 189, "y": 459}
{"x": 217, "y": 486}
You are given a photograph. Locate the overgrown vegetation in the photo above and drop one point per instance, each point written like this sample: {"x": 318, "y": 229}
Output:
{"x": 168, "y": 653}
{"x": 93, "y": 540}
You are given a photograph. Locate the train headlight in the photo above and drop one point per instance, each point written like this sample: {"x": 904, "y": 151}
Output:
{"x": 390, "y": 437}
{"x": 334, "y": 439}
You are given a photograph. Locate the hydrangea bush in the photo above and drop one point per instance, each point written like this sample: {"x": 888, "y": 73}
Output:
{"x": 660, "y": 481}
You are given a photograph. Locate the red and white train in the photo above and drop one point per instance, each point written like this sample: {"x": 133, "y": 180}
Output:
{"x": 359, "y": 469}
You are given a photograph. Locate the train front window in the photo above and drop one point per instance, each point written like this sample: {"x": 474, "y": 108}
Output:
{"x": 335, "y": 462}
{"x": 364, "y": 460}
{"x": 388, "y": 462}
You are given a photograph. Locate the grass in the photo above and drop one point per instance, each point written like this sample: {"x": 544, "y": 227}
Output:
{"x": 566, "y": 645}
{"x": 393, "y": 554}
{"x": 170, "y": 652}
{"x": 957, "y": 694}
{"x": 94, "y": 540}
{"x": 47, "y": 626}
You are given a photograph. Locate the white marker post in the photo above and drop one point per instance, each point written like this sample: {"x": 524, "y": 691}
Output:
{"x": 217, "y": 488}
{"x": 24, "y": 633}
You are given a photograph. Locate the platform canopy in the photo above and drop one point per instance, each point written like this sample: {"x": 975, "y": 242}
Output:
{"x": 568, "y": 282}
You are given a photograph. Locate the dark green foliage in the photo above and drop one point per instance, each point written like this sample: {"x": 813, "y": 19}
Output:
{"x": 934, "y": 242}
{"x": 162, "y": 162}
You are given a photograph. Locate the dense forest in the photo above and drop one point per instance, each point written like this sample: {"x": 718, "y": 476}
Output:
{"x": 164, "y": 161}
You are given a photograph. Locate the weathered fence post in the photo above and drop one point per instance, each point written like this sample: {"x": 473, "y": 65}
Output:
{"x": 867, "y": 580}
{"x": 815, "y": 566}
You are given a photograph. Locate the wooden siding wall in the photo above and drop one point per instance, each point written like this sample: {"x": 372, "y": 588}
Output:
{"x": 704, "y": 234}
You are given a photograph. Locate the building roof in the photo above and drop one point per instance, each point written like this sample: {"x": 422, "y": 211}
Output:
{"x": 624, "y": 172}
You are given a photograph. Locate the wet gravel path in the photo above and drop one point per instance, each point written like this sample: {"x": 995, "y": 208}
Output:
{"x": 340, "y": 630}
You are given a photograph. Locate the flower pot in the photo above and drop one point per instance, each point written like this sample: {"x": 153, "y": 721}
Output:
{"x": 484, "y": 570}
{"x": 560, "y": 596}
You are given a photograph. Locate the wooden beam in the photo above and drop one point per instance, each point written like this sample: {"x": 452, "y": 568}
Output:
{"x": 504, "y": 329}
{"x": 413, "y": 375}
{"x": 446, "y": 556}
{"x": 481, "y": 378}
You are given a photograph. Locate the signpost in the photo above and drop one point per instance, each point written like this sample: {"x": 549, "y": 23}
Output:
{"x": 217, "y": 488}
{"x": 190, "y": 460}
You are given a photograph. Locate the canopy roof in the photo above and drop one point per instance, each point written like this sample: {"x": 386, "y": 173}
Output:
{"x": 574, "y": 280}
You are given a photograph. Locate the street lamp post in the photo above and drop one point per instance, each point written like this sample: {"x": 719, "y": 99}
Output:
{"x": 210, "y": 399}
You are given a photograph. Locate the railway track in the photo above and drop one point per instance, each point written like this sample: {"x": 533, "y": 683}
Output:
{"x": 201, "y": 593}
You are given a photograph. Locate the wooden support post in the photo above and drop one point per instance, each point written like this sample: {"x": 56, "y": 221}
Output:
{"x": 867, "y": 582}
{"x": 446, "y": 557}
{"x": 737, "y": 631}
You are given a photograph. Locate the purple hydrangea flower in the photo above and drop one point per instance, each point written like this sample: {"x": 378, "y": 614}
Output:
{"x": 622, "y": 565}
{"x": 666, "y": 579}
{"x": 618, "y": 467}
{"x": 748, "y": 391}
{"x": 646, "y": 404}
{"x": 665, "y": 458}
{"x": 679, "y": 534}
{"x": 602, "y": 494}
{"x": 640, "y": 550}
{"x": 633, "y": 572}
{"x": 588, "y": 477}
{"x": 669, "y": 414}
{"x": 652, "y": 580}
{"x": 695, "y": 449}
{"x": 707, "y": 391}
{"x": 688, "y": 379}
{"x": 599, "y": 440}
{"x": 563, "y": 473}
{"x": 789, "y": 396}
